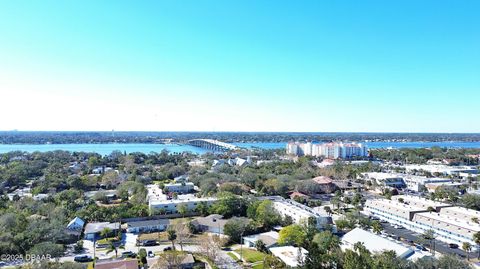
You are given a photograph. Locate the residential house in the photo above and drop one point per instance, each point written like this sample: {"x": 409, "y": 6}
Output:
{"x": 147, "y": 226}
{"x": 213, "y": 223}
{"x": 290, "y": 255}
{"x": 270, "y": 239}
{"x": 93, "y": 229}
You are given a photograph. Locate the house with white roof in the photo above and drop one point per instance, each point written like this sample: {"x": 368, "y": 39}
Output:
{"x": 290, "y": 255}
{"x": 269, "y": 239}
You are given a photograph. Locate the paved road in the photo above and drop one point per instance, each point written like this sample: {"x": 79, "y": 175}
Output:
{"x": 440, "y": 246}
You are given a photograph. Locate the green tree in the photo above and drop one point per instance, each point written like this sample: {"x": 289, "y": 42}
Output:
{"x": 202, "y": 208}
{"x": 229, "y": 205}
{"x": 47, "y": 248}
{"x": 430, "y": 235}
{"x": 467, "y": 247}
{"x": 142, "y": 256}
{"x": 292, "y": 235}
{"x": 266, "y": 215}
{"x": 172, "y": 235}
{"x": 106, "y": 232}
{"x": 260, "y": 246}
{"x": 476, "y": 239}
{"x": 112, "y": 247}
{"x": 327, "y": 241}
{"x": 234, "y": 228}
{"x": 377, "y": 227}
{"x": 183, "y": 209}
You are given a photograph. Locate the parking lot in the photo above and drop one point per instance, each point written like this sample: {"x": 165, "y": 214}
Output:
{"x": 440, "y": 246}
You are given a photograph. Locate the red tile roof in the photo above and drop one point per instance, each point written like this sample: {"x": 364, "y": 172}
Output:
{"x": 297, "y": 194}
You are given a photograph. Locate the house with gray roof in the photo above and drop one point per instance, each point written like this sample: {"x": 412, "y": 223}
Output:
{"x": 213, "y": 223}
{"x": 147, "y": 226}
{"x": 93, "y": 229}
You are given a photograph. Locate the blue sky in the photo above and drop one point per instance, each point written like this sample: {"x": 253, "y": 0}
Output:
{"x": 387, "y": 66}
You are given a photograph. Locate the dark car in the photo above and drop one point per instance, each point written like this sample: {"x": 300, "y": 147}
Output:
{"x": 148, "y": 243}
{"x": 451, "y": 245}
{"x": 167, "y": 249}
{"x": 83, "y": 258}
{"x": 421, "y": 247}
{"x": 128, "y": 254}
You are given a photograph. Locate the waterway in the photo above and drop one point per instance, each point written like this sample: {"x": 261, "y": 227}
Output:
{"x": 105, "y": 149}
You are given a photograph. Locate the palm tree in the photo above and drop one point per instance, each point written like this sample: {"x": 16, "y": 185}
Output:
{"x": 475, "y": 220}
{"x": 377, "y": 227}
{"x": 105, "y": 232}
{"x": 476, "y": 239}
{"x": 430, "y": 235}
{"x": 172, "y": 235}
{"x": 467, "y": 247}
{"x": 112, "y": 247}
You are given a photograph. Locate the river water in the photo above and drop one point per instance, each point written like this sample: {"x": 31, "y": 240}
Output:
{"x": 105, "y": 149}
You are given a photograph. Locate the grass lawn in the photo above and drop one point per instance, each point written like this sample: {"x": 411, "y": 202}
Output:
{"x": 234, "y": 257}
{"x": 260, "y": 266}
{"x": 251, "y": 255}
{"x": 162, "y": 236}
{"x": 105, "y": 240}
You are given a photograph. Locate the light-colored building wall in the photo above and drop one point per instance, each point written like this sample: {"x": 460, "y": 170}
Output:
{"x": 298, "y": 212}
{"x": 450, "y": 224}
{"x": 172, "y": 206}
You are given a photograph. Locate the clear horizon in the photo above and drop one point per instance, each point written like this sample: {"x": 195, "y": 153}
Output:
{"x": 240, "y": 66}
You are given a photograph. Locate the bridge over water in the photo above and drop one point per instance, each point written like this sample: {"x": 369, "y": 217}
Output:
{"x": 211, "y": 144}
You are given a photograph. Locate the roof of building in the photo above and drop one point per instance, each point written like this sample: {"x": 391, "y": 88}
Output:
{"x": 451, "y": 220}
{"x": 289, "y": 255}
{"x": 96, "y": 227}
{"x": 181, "y": 201}
{"x": 188, "y": 259}
{"x": 394, "y": 205}
{"x": 214, "y": 220}
{"x": 322, "y": 180}
{"x": 117, "y": 264}
{"x": 374, "y": 243}
{"x": 419, "y": 201}
{"x": 382, "y": 175}
{"x": 76, "y": 222}
{"x": 144, "y": 223}
{"x": 298, "y": 194}
{"x": 269, "y": 238}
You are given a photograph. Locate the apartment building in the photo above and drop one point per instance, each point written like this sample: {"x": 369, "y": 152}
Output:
{"x": 298, "y": 212}
{"x": 450, "y": 224}
{"x": 327, "y": 150}
{"x": 172, "y": 206}
{"x": 398, "y": 180}
{"x": 183, "y": 187}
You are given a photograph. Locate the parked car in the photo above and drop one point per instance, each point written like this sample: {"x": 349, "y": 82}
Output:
{"x": 421, "y": 247}
{"x": 128, "y": 254}
{"x": 451, "y": 245}
{"x": 167, "y": 249}
{"x": 150, "y": 254}
{"x": 83, "y": 258}
{"x": 147, "y": 243}
{"x": 398, "y": 227}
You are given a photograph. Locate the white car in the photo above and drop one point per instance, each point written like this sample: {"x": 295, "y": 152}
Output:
{"x": 150, "y": 254}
